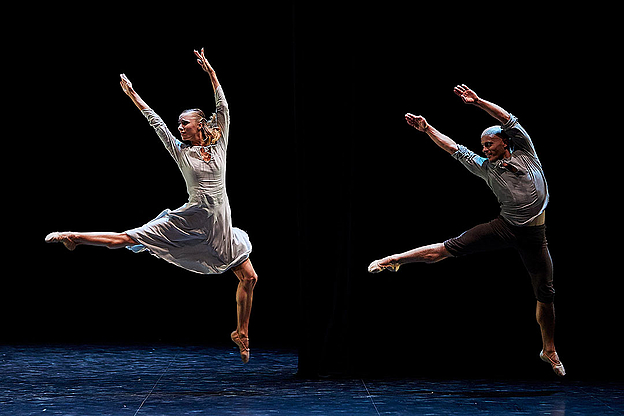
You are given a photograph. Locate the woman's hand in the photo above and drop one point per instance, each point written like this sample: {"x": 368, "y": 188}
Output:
{"x": 203, "y": 62}
{"x": 126, "y": 86}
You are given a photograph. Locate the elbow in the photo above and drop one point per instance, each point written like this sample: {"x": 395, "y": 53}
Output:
{"x": 452, "y": 148}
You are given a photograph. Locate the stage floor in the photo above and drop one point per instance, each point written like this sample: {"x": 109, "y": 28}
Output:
{"x": 191, "y": 380}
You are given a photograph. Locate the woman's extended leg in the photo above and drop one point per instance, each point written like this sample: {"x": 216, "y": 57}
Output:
{"x": 104, "y": 239}
{"x": 247, "y": 278}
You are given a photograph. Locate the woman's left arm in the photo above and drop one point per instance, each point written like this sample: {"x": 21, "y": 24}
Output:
{"x": 203, "y": 62}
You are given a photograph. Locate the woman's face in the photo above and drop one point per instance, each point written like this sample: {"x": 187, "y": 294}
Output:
{"x": 189, "y": 128}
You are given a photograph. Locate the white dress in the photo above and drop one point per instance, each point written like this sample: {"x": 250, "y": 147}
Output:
{"x": 199, "y": 235}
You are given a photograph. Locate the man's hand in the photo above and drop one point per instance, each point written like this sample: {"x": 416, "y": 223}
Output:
{"x": 418, "y": 122}
{"x": 470, "y": 97}
{"x": 467, "y": 95}
{"x": 126, "y": 85}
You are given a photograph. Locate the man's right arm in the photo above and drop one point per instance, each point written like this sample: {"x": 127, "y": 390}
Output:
{"x": 442, "y": 140}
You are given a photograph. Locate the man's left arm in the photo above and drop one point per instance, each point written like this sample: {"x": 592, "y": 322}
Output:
{"x": 468, "y": 96}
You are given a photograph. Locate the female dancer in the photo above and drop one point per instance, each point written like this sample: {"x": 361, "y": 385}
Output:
{"x": 199, "y": 235}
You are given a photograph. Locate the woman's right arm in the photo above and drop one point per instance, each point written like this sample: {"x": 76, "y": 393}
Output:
{"x": 168, "y": 139}
{"x": 126, "y": 86}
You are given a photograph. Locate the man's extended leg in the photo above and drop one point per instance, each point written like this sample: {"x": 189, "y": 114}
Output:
{"x": 482, "y": 237}
{"x": 425, "y": 254}
{"x": 244, "y": 297}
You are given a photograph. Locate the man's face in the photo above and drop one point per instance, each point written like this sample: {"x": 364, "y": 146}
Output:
{"x": 494, "y": 147}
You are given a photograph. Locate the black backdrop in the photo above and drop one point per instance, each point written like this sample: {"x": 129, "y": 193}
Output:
{"x": 324, "y": 175}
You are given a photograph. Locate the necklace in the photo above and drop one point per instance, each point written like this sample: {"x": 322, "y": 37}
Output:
{"x": 206, "y": 154}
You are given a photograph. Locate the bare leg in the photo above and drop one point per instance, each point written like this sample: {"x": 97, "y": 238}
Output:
{"x": 104, "y": 239}
{"x": 425, "y": 254}
{"x": 244, "y": 297}
{"x": 545, "y": 315}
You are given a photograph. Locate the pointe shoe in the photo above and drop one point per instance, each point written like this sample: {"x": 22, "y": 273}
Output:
{"x": 555, "y": 364}
{"x": 243, "y": 345}
{"x": 64, "y": 238}
{"x": 375, "y": 267}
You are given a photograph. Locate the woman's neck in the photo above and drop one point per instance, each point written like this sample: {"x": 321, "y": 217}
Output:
{"x": 197, "y": 140}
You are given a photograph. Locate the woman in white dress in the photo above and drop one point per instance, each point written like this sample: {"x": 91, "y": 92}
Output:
{"x": 199, "y": 235}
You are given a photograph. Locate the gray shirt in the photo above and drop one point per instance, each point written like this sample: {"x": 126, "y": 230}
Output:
{"x": 518, "y": 182}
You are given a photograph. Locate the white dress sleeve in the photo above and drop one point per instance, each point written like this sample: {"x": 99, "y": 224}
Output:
{"x": 172, "y": 144}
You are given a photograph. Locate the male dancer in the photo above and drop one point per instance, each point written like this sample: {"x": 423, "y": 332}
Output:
{"x": 514, "y": 173}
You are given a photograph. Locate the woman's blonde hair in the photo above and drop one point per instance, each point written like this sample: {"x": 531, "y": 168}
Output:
{"x": 212, "y": 132}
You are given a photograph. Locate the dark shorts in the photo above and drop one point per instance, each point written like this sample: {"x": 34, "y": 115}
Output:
{"x": 529, "y": 242}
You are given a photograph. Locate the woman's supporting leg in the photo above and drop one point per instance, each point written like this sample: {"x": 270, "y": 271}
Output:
{"x": 101, "y": 239}
{"x": 247, "y": 279}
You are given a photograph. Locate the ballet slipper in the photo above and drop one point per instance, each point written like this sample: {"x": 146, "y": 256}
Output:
{"x": 555, "y": 364}
{"x": 64, "y": 238}
{"x": 375, "y": 267}
{"x": 243, "y": 345}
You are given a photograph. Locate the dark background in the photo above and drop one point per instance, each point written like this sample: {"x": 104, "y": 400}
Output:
{"x": 324, "y": 175}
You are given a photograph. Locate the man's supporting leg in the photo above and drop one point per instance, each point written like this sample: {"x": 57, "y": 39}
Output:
{"x": 538, "y": 263}
{"x": 545, "y": 315}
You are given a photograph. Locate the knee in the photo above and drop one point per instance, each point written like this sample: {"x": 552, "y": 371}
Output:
{"x": 253, "y": 279}
{"x": 249, "y": 279}
{"x": 543, "y": 286}
{"x": 120, "y": 240}
{"x": 545, "y": 292}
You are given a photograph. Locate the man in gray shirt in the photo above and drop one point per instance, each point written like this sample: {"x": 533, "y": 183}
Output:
{"x": 514, "y": 173}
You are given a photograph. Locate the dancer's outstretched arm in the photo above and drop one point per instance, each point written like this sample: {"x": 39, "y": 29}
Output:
{"x": 126, "y": 86}
{"x": 420, "y": 124}
{"x": 468, "y": 96}
{"x": 203, "y": 62}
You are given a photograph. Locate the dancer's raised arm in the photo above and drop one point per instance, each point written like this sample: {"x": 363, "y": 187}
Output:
{"x": 126, "y": 86}
{"x": 203, "y": 62}
{"x": 468, "y": 96}
{"x": 442, "y": 140}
